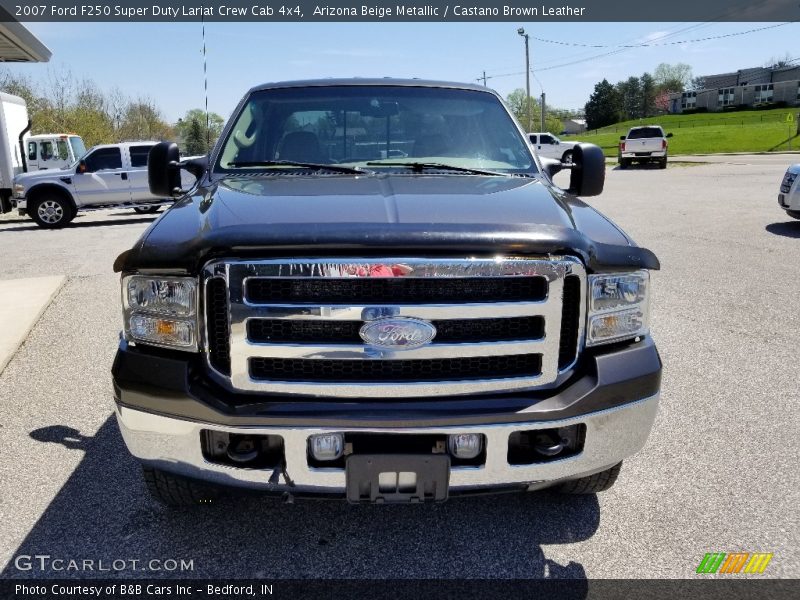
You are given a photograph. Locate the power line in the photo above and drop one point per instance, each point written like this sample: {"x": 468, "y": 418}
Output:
{"x": 651, "y": 44}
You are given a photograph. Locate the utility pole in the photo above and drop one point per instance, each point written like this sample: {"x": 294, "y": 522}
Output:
{"x": 484, "y": 79}
{"x": 543, "y": 129}
{"x": 521, "y": 31}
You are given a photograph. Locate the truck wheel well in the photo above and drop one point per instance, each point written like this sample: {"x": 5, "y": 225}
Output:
{"x": 40, "y": 190}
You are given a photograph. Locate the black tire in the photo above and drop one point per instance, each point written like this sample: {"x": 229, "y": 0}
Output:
{"x": 624, "y": 163}
{"x": 146, "y": 210}
{"x": 795, "y": 214}
{"x": 662, "y": 164}
{"x": 599, "y": 482}
{"x": 177, "y": 491}
{"x": 51, "y": 211}
{"x": 567, "y": 157}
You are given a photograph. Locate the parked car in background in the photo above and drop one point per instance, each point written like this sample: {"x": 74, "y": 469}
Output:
{"x": 21, "y": 152}
{"x": 549, "y": 146}
{"x": 643, "y": 144}
{"x": 789, "y": 196}
{"x": 107, "y": 176}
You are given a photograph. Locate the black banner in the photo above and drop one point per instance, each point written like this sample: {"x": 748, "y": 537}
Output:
{"x": 735, "y": 587}
{"x": 410, "y": 11}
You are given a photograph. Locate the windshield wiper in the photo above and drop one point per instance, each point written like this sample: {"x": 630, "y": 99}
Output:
{"x": 302, "y": 165}
{"x": 419, "y": 167}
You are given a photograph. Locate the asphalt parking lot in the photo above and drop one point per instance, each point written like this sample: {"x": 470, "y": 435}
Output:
{"x": 719, "y": 473}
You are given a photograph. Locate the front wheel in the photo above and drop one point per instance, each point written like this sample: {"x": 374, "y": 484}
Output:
{"x": 795, "y": 214}
{"x": 52, "y": 212}
{"x": 599, "y": 482}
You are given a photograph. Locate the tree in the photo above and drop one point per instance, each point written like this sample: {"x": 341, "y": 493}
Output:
{"x": 648, "y": 87}
{"x": 672, "y": 78}
{"x": 603, "y": 106}
{"x": 629, "y": 93}
{"x": 518, "y": 103}
{"x": 208, "y": 135}
{"x": 777, "y": 63}
{"x": 194, "y": 139}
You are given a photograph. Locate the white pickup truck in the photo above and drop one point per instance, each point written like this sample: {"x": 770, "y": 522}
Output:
{"x": 21, "y": 152}
{"x": 549, "y": 146}
{"x": 643, "y": 144}
{"x": 113, "y": 175}
{"x": 789, "y": 196}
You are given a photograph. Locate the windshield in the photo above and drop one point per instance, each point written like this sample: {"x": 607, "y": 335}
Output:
{"x": 360, "y": 125}
{"x": 645, "y": 132}
{"x": 78, "y": 149}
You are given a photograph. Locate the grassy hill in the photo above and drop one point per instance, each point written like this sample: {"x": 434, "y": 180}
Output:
{"x": 708, "y": 133}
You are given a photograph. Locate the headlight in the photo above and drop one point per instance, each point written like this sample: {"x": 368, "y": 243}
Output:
{"x": 618, "y": 307}
{"x": 161, "y": 311}
{"x": 19, "y": 190}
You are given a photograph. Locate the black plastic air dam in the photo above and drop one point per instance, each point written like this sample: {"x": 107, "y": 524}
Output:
{"x": 172, "y": 384}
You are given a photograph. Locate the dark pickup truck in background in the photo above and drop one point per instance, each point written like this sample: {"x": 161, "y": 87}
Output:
{"x": 375, "y": 291}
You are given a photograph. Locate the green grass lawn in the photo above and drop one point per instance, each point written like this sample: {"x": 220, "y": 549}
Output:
{"x": 708, "y": 133}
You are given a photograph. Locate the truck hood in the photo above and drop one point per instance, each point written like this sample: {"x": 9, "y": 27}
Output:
{"x": 33, "y": 177}
{"x": 269, "y": 215}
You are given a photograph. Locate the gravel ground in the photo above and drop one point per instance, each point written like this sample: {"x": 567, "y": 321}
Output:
{"x": 719, "y": 473}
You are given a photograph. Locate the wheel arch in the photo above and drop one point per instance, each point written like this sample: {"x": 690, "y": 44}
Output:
{"x": 41, "y": 189}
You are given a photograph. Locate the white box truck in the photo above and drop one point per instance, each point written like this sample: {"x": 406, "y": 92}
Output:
{"x": 21, "y": 152}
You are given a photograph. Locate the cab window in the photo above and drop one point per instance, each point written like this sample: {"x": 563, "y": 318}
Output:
{"x": 31, "y": 150}
{"x": 46, "y": 150}
{"x": 139, "y": 155}
{"x": 63, "y": 150}
{"x": 547, "y": 139}
{"x": 103, "y": 159}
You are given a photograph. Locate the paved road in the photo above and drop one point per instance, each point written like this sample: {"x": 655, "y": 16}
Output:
{"x": 719, "y": 473}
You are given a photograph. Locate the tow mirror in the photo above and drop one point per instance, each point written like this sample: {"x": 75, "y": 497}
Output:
{"x": 588, "y": 173}
{"x": 81, "y": 167}
{"x": 622, "y": 138}
{"x": 669, "y": 135}
{"x": 163, "y": 172}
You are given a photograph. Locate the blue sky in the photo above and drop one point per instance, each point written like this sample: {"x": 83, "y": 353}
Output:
{"x": 164, "y": 62}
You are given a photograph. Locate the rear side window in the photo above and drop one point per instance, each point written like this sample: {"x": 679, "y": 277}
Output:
{"x": 104, "y": 158}
{"x": 139, "y": 155}
{"x": 646, "y": 132}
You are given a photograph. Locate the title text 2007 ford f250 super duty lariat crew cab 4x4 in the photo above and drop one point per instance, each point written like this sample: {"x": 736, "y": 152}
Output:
{"x": 375, "y": 291}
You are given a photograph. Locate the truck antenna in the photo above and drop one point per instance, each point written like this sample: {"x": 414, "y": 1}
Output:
{"x": 205, "y": 81}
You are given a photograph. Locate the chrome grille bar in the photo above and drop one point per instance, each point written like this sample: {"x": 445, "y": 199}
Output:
{"x": 237, "y": 273}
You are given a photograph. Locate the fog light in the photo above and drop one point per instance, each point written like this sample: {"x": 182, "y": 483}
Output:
{"x": 465, "y": 445}
{"x": 326, "y": 446}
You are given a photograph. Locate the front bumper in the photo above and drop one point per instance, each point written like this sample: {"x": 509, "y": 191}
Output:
{"x": 163, "y": 404}
{"x": 174, "y": 445}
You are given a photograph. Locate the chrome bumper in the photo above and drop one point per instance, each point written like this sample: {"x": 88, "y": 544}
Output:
{"x": 174, "y": 445}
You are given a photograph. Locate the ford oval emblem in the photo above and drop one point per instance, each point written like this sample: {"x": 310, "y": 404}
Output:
{"x": 397, "y": 333}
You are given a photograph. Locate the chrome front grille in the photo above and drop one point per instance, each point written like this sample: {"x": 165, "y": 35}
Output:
{"x": 292, "y": 326}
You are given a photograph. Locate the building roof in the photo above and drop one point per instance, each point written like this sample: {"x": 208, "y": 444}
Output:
{"x": 17, "y": 44}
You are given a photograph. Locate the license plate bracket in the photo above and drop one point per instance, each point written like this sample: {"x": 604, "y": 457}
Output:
{"x": 397, "y": 478}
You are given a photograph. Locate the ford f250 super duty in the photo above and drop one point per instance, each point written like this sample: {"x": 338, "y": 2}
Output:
{"x": 375, "y": 291}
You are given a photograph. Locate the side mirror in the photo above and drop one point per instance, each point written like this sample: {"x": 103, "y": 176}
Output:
{"x": 669, "y": 135}
{"x": 81, "y": 167}
{"x": 588, "y": 170}
{"x": 622, "y": 138}
{"x": 163, "y": 172}
{"x": 551, "y": 166}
